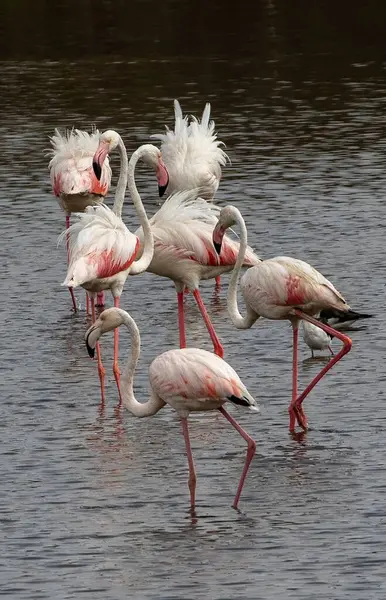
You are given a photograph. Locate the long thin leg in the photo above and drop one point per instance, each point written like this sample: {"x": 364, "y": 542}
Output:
{"x": 218, "y": 348}
{"x": 295, "y": 413}
{"x": 250, "y": 452}
{"x": 117, "y": 372}
{"x": 347, "y": 343}
{"x": 192, "y": 471}
{"x": 101, "y": 369}
{"x": 70, "y": 289}
{"x": 87, "y": 304}
{"x": 181, "y": 319}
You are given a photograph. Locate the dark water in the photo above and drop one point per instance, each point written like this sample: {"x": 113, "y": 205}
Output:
{"x": 95, "y": 504}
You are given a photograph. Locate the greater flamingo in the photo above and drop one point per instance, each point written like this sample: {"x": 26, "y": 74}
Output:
{"x": 73, "y": 179}
{"x": 184, "y": 252}
{"x": 102, "y": 248}
{"x": 188, "y": 380}
{"x": 192, "y": 155}
{"x": 282, "y": 288}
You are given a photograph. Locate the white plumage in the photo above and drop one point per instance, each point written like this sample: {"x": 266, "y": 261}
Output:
{"x": 72, "y": 176}
{"x": 191, "y": 379}
{"x": 192, "y": 154}
{"x": 100, "y": 246}
{"x": 316, "y": 338}
{"x": 183, "y": 245}
{"x": 188, "y": 379}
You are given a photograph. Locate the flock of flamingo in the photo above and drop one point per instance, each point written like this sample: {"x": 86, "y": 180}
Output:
{"x": 186, "y": 241}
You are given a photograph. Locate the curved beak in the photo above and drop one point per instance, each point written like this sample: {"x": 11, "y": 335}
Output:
{"x": 162, "y": 177}
{"x": 91, "y": 337}
{"x": 218, "y": 234}
{"x": 99, "y": 158}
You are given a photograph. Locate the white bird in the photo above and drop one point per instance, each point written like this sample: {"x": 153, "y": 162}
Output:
{"x": 316, "y": 338}
{"x": 282, "y": 288}
{"x": 188, "y": 379}
{"x": 184, "y": 251}
{"x": 73, "y": 179}
{"x": 102, "y": 249}
{"x": 192, "y": 155}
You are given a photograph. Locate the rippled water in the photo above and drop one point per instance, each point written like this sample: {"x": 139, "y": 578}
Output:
{"x": 95, "y": 502}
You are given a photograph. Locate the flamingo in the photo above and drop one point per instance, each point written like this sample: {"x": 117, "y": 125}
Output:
{"x": 282, "y": 288}
{"x": 188, "y": 379}
{"x": 103, "y": 250}
{"x": 73, "y": 179}
{"x": 192, "y": 155}
{"x": 184, "y": 252}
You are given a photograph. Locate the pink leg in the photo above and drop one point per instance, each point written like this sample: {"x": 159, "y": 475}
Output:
{"x": 100, "y": 299}
{"x": 181, "y": 319}
{"x": 87, "y": 304}
{"x": 218, "y": 349}
{"x": 192, "y": 472}
{"x": 294, "y": 413}
{"x": 70, "y": 289}
{"x": 117, "y": 372}
{"x": 250, "y": 452}
{"x": 218, "y": 281}
{"x": 347, "y": 343}
{"x": 101, "y": 369}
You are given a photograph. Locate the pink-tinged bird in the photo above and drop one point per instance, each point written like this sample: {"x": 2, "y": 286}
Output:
{"x": 72, "y": 176}
{"x": 189, "y": 380}
{"x": 184, "y": 251}
{"x": 103, "y": 250}
{"x": 282, "y": 288}
{"x": 192, "y": 154}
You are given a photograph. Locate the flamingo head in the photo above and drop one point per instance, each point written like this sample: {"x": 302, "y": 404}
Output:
{"x": 108, "y": 320}
{"x": 108, "y": 141}
{"x": 227, "y": 218}
{"x": 152, "y": 156}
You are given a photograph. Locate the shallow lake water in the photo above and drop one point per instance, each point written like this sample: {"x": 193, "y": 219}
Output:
{"x": 94, "y": 503}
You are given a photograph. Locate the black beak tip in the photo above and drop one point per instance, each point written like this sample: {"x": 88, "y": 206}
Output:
{"x": 217, "y": 247}
{"x": 91, "y": 351}
{"x": 162, "y": 190}
{"x": 97, "y": 170}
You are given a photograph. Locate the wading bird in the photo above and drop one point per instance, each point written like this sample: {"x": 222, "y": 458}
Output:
{"x": 184, "y": 252}
{"x": 282, "y": 288}
{"x": 103, "y": 250}
{"x": 188, "y": 379}
{"x": 73, "y": 179}
{"x": 192, "y": 155}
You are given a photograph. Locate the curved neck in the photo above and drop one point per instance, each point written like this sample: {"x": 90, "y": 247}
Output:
{"x": 237, "y": 319}
{"x": 136, "y": 408}
{"x": 122, "y": 180}
{"x": 142, "y": 264}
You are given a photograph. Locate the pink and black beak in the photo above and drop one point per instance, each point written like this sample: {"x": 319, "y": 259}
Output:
{"x": 218, "y": 234}
{"x": 162, "y": 177}
{"x": 99, "y": 158}
{"x": 91, "y": 337}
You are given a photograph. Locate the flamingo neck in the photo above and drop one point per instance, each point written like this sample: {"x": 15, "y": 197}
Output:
{"x": 237, "y": 319}
{"x": 122, "y": 180}
{"x": 138, "y": 409}
{"x": 148, "y": 249}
